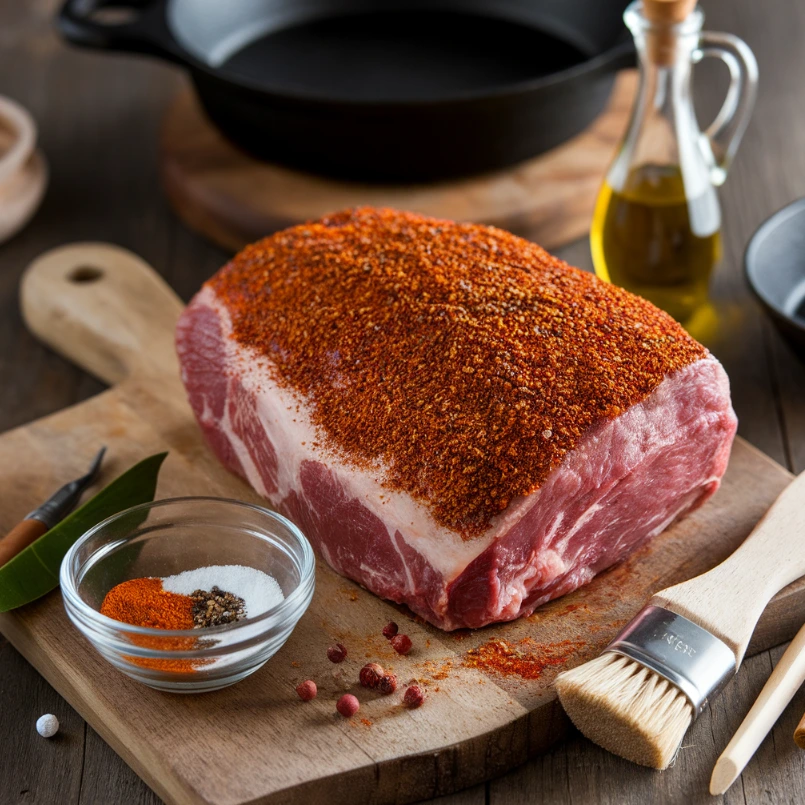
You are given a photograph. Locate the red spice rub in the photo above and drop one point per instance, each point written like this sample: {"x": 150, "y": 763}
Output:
{"x": 461, "y": 360}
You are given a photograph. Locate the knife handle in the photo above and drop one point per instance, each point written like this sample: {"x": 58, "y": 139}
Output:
{"x": 21, "y": 536}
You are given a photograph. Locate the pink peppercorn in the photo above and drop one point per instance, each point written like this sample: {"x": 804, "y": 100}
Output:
{"x": 387, "y": 684}
{"x": 401, "y": 643}
{"x": 337, "y": 653}
{"x": 390, "y": 629}
{"x": 348, "y": 705}
{"x": 307, "y": 690}
{"x": 413, "y": 697}
{"x": 371, "y": 674}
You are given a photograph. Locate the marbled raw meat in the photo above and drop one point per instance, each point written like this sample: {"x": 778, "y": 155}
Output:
{"x": 625, "y": 480}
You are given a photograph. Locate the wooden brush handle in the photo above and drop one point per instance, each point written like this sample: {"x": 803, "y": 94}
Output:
{"x": 729, "y": 599}
{"x": 21, "y": 536}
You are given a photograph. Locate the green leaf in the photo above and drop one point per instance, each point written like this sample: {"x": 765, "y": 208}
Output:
{"x": 34, "y": 571}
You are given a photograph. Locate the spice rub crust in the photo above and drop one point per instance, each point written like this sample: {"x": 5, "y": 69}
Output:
{"x": 459, "y": 362}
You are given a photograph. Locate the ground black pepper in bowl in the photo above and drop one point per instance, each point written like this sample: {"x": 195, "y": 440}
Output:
{"x": 216, "y": 607}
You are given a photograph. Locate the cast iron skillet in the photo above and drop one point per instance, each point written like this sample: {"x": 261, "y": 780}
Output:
{"x": 400, "y": 90}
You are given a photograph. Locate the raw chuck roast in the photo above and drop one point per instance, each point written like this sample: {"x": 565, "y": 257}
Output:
{"x": 456, "y": 419}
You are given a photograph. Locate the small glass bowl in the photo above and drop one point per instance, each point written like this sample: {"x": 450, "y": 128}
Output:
{"x": 169, "y": 536}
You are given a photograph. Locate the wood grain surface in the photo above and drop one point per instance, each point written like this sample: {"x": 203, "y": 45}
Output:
{"x": 106, "y": 310}
{"x": 233, "y": 199}
{"x": 99, "y": 118}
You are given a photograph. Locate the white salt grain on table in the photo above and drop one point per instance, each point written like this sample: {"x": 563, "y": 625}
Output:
{"x": 258, "y": 590}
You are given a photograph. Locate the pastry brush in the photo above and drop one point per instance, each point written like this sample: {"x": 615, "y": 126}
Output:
{"x": 639, "y": 697}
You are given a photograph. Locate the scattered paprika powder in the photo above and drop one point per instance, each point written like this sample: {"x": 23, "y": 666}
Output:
{"x": 526, "y": 658}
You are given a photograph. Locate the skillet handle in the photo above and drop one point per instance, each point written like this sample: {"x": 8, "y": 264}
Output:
{"x": 146, "y": 31}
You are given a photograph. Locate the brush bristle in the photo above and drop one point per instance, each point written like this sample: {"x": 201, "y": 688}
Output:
{"x": 626, "y": 708}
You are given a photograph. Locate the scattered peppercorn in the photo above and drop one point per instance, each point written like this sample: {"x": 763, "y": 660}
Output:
{"x": 413, "y": 697}
{"x": 348, "y": 705}
{"x": 307, "y": 690}
{"x": 216, "y": 607}
{"x": 47, "y": 726}
{"x": 387, "y": 684}
{"x": 401, "y": 643}
{"x": 517, "y": 345}
{"x": 371, "y": 674}
{"x": 390, "y": 629}
{"x": 337, "y": 653}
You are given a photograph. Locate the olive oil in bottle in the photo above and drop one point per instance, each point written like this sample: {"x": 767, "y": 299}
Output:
{"x": 651, "y": 239}
{"x": 657, "y": 221}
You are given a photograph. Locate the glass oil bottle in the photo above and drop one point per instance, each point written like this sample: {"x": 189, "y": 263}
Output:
{"x": 656, "y": 229}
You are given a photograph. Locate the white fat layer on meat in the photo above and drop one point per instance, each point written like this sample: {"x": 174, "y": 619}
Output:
{"x": 242, "y": 452}
{"x": 295, "y": 438}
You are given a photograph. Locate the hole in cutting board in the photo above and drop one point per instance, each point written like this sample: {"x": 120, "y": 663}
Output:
{"x": 84, "y": 274}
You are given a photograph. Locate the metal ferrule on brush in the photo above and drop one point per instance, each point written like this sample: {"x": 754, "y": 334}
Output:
{"x": 680, "y": 651}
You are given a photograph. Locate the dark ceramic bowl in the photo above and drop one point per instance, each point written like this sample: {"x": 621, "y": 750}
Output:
{"x": 775, "y": 269}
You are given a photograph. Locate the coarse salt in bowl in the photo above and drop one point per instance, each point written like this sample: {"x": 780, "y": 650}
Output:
{"x": 192, "y": 543}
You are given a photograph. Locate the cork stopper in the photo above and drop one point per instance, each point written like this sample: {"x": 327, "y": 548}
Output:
{"x": 667, "y": 12}
{"x": 663, "y": 14}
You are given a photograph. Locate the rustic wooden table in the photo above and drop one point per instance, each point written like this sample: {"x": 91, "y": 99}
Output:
{"x": 99, "y": 117}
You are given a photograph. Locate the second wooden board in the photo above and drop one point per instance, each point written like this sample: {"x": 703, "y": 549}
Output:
{"x": 490, "y": 702}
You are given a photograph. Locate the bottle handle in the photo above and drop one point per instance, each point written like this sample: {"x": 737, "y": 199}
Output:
{"x": 721, "y": 138}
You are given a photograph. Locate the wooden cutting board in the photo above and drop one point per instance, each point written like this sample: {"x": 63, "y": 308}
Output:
{"x": 233, "y": 199}
{"x": 256, "y": 742}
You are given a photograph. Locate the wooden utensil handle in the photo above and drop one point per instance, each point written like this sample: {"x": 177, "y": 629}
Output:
{"x": 799, "y": 734}
{"x": 729, "y": 599}
{"x": 103, "y": 308}
{"x": 21, "y": 536}
{"x": 785, "y": 680}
